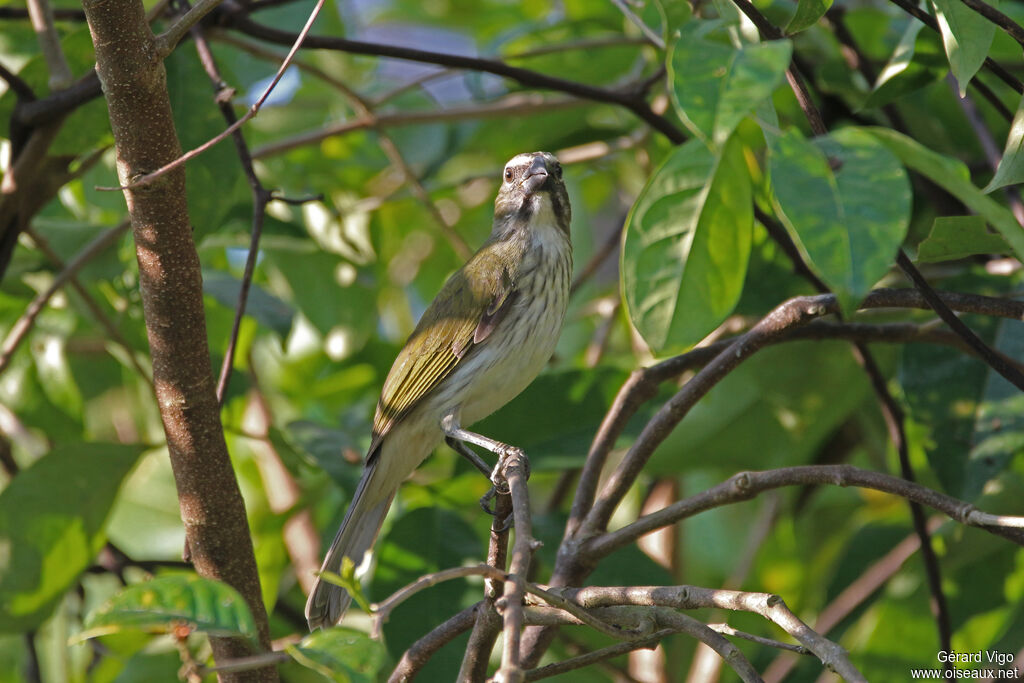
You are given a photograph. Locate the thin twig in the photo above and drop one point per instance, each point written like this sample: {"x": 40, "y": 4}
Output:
{"x": 727, "y": 630}
{"x": 892, "y": 413}
{"x": 621, "y": 97}
{"x": 382, "y": 611}
{"x": 648, "y": 32}
{"x": 253, "y": 110}
{"x": 769, "y": 606}
{"x": 420, "y": 652}
{"x": 41, "y": 15}
{"x": 17, "y": 84}
{"x": 21, "y": 327}
{"x": 260, "y": 198}
{"x": 599, "y": 655}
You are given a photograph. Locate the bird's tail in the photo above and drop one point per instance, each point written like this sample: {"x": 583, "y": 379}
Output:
{"x": 327, "y": 603}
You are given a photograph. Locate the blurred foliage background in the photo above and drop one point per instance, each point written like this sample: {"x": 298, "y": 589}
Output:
{"x": 89, "y": 504}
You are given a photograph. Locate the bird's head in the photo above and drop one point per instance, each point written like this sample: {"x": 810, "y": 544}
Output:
{"x": 532, "y": 190}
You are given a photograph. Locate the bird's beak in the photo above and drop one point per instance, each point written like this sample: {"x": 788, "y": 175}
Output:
{"x": 536, "y": 177}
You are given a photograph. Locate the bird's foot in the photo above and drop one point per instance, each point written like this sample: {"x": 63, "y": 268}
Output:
{"x": 498, "y": 473}
{"x": 485, "y": 503}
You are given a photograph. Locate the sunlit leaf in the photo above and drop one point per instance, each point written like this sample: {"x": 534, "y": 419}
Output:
{"x": 846, "y": 198}
{"x": 341, "y": 654}
{"x": 161, "y": 604}
{"x": 966, "y": 37}
{"x": 52, "y": 520}
{"x": 686, "y": 245}
{"x": 715, "y": 85}
{"x": 1011, "y": 166}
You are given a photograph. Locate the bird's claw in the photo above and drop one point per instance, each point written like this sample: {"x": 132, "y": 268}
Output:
{"x": 498, "y": 473}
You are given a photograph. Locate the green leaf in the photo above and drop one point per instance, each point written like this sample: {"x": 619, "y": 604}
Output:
{"x": 850, "y": 221}
{"x": 686, "y": 245}
{"x": 916, "y": 61}
{"x": 953, "y": 176}
{"x": 807, "y": 14}
{"x": 1011, "y": 166}
{"x": 715, "y": 85}
{"x": 265, "y": 308}
{"x": 966, "y": 37}
{"x": 158, "y": 605}
{"x": 341, "y": 654}
{"x": 785, "y": 411}
{"x": 955, "y": 237}
{"x": 52, "y": 524}
{"x": 347, "y": 579}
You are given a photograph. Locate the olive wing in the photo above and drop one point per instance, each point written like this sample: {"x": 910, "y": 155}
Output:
{"x": 460, "y": 318}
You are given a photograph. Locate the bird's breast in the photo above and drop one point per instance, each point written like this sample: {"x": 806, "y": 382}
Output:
{"x": 521, "y": 345}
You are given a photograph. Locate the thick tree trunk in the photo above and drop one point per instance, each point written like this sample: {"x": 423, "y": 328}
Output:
{"x": 135, "y": 86}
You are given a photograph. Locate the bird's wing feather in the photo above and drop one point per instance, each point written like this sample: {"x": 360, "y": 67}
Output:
{"x": 482, "y": 291}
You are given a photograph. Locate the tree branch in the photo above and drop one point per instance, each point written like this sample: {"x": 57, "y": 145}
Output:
{"x": 487, "y": 626}
{"x": 510, "y": 605}
{"x": 168, "y": 40}
{"x": 747, "y": 485}
{"x": 526, "y": 77}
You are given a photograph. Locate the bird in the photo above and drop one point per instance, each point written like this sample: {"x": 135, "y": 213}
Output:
{"x": 483, "y": 339}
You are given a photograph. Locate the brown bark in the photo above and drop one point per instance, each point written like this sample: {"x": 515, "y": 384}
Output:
{"x": 135, "y": 86}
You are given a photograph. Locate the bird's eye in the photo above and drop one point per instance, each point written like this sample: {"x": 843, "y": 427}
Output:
{"x": 508, "y": 174}
{"x": 558, "y": 170}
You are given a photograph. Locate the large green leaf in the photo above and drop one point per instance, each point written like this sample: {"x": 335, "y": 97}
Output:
{"x": 850, "y": 220}
{"x": 158, "y": 605}
{"x": 52, "y": 524}
{"x": 952, "y": 175}
{"x": 956, "y": 237}
{"x": 341, "y": 654}
{"x": 966, "y": 37}
{"x": 715, "y": 85}
{"x": 1011, "y": 166}
{"x": 686, "y": 245}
